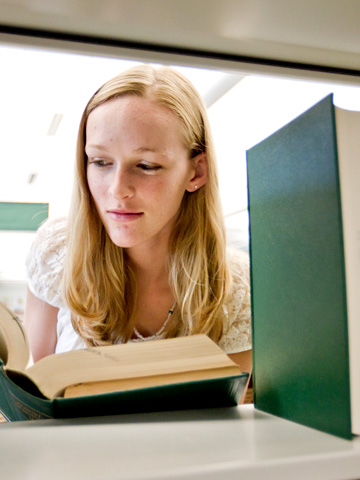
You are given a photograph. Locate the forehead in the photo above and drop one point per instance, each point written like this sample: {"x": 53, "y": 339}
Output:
{"x": 133, "y": 108}
{"x": 132, "y": 118}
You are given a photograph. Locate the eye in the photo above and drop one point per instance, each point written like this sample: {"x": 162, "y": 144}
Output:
{"x": 148, "y": 168}
{"x": 99, "y": 162}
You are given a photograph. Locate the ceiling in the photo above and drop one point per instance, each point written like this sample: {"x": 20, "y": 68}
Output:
{"x": 316, "y": 32}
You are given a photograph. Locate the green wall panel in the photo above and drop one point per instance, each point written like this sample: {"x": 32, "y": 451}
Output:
{"x": 22, "y": 216}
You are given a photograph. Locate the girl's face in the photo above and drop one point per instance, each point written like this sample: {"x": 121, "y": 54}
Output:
{"x": 137, "y": 170}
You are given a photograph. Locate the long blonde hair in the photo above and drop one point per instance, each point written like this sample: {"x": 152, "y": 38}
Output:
{"x": 99, "y": 279}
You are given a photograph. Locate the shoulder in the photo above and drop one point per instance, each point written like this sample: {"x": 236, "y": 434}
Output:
{"x": 50, "y": 237}
{"x": 240, "y": 276}
{"x": 237, "y": 319}
{"x": 239, "y": 266}
{"x": 45, "y": 261}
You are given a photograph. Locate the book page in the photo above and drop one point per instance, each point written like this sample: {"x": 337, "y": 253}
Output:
{"x": 14, "y": 344}
{"x": 107, "y": 386}
{"x": 55, "y": 372}
{"x": 3, "y": 347}
{"x": 348, "y": 139}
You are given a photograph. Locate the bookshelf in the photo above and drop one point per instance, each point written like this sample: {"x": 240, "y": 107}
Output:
{"x": 217, "y": 444}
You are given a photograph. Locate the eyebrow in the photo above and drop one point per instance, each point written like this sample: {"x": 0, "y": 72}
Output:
{"x": 98, "y": 147}
{"x": 137, "y": 150}
{"x": 150, "y": 150}
{"x": 146, "y": 149}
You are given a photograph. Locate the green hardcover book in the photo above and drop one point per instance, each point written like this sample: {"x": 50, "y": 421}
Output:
{"x": 304, "y": 207}
{"x": 172, "y": 374}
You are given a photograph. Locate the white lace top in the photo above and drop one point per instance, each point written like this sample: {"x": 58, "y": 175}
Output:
{"x": 44, "y": 268}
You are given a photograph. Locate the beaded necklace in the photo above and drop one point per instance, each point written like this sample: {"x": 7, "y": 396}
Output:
{"x": 140, "y": 338}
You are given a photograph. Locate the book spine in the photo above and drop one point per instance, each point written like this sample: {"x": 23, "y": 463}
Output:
{"x": 6, "y": 408}
{"x": 251, "y": 286}
{"x": 16, "y": 404}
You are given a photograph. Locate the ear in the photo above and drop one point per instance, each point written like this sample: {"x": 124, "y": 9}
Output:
{"x": 199, "y": 176}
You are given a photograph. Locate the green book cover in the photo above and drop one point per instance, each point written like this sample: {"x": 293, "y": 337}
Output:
{"x": 299, "y": 307}
{"x": 17, "y": 403}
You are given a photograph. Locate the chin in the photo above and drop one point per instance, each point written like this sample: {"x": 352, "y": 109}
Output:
{"x": 123, "y": 241}
{"x": 120, "y": 238}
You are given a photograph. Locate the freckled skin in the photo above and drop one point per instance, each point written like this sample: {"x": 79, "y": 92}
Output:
{"x": 138, "y": 170}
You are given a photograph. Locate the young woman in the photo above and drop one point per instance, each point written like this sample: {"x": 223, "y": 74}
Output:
{"x": 142, "y": 255}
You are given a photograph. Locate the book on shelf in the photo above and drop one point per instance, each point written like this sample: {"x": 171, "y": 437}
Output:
{"x": 304, "y": 209}
{"x": 168, "y": 374}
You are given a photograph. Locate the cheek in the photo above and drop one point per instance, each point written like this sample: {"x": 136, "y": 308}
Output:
{"x": 167, "y": 190}
{"x": 173, "y": 195}
{"x": 151, "y": 187}
{"x": 96, "y": 186}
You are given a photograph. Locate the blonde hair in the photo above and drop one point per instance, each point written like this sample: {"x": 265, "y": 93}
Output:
{"x": 99, "y": 281}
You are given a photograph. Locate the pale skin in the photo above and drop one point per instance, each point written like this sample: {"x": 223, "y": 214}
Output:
{"x": 137, "y": 171}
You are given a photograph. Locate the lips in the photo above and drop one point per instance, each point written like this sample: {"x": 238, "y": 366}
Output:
{"x": 124, "y": 215}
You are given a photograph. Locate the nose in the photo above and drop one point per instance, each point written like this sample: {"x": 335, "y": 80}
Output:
{"x": 121, "y": 184}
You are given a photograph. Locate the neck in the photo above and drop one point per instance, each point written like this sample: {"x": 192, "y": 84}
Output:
{"x": 151, "y": 264}
{"x": 155, "y": 296}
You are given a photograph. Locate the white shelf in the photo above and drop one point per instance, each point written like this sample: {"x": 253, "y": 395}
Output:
{"x": 222, "y": 444}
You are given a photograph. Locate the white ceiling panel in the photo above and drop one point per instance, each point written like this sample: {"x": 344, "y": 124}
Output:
{"x": 319, "y": 32}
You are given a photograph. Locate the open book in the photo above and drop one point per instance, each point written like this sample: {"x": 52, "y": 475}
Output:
{"x": 128, "y": 369}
